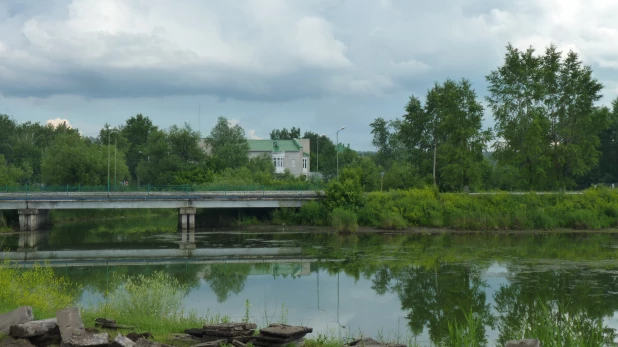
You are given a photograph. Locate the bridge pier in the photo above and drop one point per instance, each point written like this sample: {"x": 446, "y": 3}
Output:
{"x": 31, "y": 219}
{"x": 186, "y": 217}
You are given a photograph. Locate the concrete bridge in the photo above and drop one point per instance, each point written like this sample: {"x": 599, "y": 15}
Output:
{"x": 33, "y": 207}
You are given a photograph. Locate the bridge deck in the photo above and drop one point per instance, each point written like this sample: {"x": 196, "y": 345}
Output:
{"x": 105, "y": 200}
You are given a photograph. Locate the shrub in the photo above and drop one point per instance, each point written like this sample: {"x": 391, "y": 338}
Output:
{"x": 38, "y": 287}
{"x": 312, "y": 213}
{"x": 392, "y": 220}
{"x": 344, "y": 220}
{"x": 284, "y": 215}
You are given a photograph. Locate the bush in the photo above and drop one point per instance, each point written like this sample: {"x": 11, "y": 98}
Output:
{"x": 344, "y": 220}
{"x": 38, "y": 287}
{"x": 392, "y": 220}
{"x": 312, "y": 213}
{"x": 284, "y": 215}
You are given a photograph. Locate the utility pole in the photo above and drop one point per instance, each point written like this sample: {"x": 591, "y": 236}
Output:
{"x": 337, "y": 149}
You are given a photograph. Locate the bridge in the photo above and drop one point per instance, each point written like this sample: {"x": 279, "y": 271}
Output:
{"x": 33, "y": 205}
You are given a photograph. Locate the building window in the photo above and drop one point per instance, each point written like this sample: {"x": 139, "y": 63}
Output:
{"x": 278, "y": 161}
{"x": 293, "y": 162}
{"x": 304, "y": 163}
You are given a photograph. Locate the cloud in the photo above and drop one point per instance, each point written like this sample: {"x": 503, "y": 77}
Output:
{"x": 58, "y": 121}
{"x": 251, "y": 135}
{"x": 232, "y": 122}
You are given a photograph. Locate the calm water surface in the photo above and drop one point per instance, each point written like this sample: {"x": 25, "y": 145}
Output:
{"x": 389, "y": 285}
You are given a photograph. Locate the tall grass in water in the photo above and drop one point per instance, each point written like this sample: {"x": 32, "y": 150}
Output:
{"x": 344, "y": 220}
{"x": 152, "y": 303}
{"x": 37, "y": 287}
{"x": 469, "y": 334}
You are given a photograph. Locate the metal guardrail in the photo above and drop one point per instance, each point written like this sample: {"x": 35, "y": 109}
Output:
{"x": 156, "y": 188}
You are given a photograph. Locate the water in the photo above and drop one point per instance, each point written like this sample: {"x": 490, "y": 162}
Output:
{"x": 394, "y": 286}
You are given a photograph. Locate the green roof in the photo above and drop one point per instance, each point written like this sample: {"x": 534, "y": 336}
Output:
{"x": 274, "y": 145}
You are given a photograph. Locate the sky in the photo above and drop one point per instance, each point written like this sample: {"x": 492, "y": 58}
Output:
{"x": 314, "y": 64}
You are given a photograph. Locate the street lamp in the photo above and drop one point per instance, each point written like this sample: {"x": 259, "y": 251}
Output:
{"x": 109, "y": 157}
{"x": 337, "y": 149}
{"x": 317, "y": 141}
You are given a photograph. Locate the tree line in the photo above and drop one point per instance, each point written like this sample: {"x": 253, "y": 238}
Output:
{"x": 549, "y": 133}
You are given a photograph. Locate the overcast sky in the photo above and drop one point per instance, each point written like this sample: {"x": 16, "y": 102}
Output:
{"x": 313, "y": 64}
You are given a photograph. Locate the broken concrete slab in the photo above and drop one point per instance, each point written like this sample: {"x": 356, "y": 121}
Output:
{"x": 369, "y": 342}
{"x": 122, "y": 341}
{"x": 283, "y": 330}
{"x": 70, "y": 323}
{"x": 197, "y": 332}
{"x": 147, "y": 343}
{"x": 237, "y": 343}
{"x": 18, "y": 316}
{"x": 136, "y": 336}
{"x": 35, "y": 328}
{"x": 11, "y": 342}
{"x": 216, "y": 343}
{"x": 524, "y": 343}
{"x": 110, "y": 324}
{"x": 86, "y": 340}
{"x": 231, "y": 326}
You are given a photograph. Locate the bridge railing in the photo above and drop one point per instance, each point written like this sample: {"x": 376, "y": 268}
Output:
{"x": 185, "y": 188}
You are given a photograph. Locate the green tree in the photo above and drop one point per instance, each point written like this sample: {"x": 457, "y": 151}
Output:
{"x": 137, "y": 130}
{"x": 228, "y": 144}
{"x": 11, "y": 175}
{"x": 70, "y": 160}
{"x": 285, "y": 134}
{"x": 386, "y": 140}
{"x": 322, "y": 150}
{"x": 545, "y": 120}
{"x": 185, "y": 143}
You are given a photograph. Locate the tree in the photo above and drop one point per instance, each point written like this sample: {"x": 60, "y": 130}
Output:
{"x": 71, "y": 161}
{"x": 544, "y": 111}
{"x": 322, "y": 150}
{"x": 446, "y": 132}
{"x": 284, "y": 134}
{"x": 11, "y": 175}
{"x": 185, "y": 143}
{"x": 136, "y": 130}
{"x": 387, "y": 142}
{"x": 228, "y": 144}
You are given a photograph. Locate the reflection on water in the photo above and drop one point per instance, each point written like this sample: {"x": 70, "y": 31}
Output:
{"x": 380, "y": 284}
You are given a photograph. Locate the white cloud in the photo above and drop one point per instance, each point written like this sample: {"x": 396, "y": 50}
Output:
{"x": 251, "y": 135}
{"x": 232, "y": 122}
{"x": 58, "y": 121}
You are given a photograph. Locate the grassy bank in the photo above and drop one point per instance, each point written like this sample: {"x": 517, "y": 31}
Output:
{"x": 57, "y": 216}
{"x": 396, "y": 210}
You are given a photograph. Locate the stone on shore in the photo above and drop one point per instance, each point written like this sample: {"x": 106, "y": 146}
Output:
{"x": 18, "y": 316}
{"x": 369, "y": 342}
{"x": 197, "y": 332}
{"x": 35, "y": 328}
{"x": 136, "y": 336}
{"x": 11, "y": 342}
{"x": 70, "y": 323}
{"x": 110, "y": 324}
{"x": 237, "y": 343}
{"x": 87, "y": 340}
{"x": 142, "y": 342}
{"x": 216, "y": 343}
{"x": 524, "y": 343}
{"x": 280, "y": 335}
{"x": 122, "y": 341}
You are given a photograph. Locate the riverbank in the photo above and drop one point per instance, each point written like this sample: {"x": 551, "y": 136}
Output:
{"x": 348, "y": 210}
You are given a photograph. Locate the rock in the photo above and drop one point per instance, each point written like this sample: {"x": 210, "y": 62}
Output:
{"x": 216, "y": 343}
{"x": 231, "y": 326}
{"x": 186, "y": 338}
{"x": 197, "y": 332}
{"x": 524, "y": 343}
{"x": 110, "y": 324}
{"x": 147, "y": 343}
{"x": 86, "y": 340}
{"x": 70, "y": 323}
{"x": 15, "y": 317}
{"x": 232, "y": 333}
{"x": 262, "y": 340}
{"x": 122, "y": 341}
{"x": 35, "y": 328}
{"x": 283, "y": 330}
{"x": 369, "y": 342}
{"x": 11, "y": 342}
{"x": 135, "y": 336}
{"x": 237, "y": 343}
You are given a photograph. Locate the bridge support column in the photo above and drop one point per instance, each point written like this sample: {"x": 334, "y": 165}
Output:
{"x": 31, "y": 219}
{"x": 186, "y": 217}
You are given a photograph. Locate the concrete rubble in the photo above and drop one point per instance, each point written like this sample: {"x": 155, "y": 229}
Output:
{"x": 18, "y": 316}
{"x": 369, "y": 342}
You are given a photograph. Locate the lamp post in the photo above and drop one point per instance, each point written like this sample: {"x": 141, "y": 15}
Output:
{"x": 337, "y": 149}
{"x": 317, "y": 141}
{"x": 109, "y": 134}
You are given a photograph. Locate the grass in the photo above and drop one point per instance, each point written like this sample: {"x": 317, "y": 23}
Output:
{"x": 343, "y": 220}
